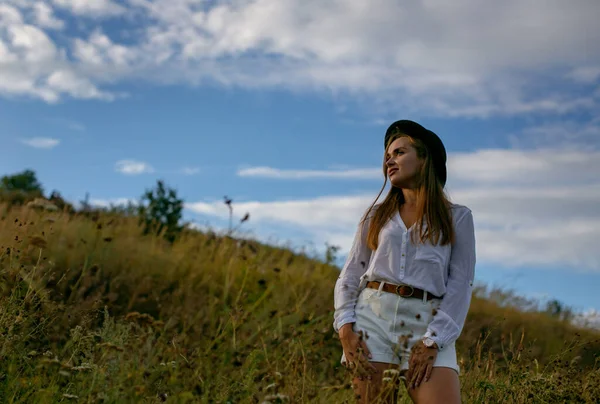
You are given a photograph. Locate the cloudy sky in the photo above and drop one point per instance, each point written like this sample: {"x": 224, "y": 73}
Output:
{"x": 282, "y": 106}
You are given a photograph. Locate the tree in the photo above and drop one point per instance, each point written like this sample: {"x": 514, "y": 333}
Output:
{"x": 20, "y": 188}
{"x": 330, "y": 253}
{"x": 25, "y": 181}
{"x": 160, "y": 211}
{"x": 57, "y": 199}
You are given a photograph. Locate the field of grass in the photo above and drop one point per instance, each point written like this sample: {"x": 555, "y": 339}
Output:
{"x": 91, "y": 311}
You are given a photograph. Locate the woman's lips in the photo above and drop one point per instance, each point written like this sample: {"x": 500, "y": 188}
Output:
{"x": 392, "y": 171}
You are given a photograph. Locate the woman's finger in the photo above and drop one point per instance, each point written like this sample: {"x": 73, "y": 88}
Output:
{"x": 418, "y": 375}
{"x": 414, "y": 376}
{"x": 421, "y": 374}
{"x": 428, "y": 374}
{"x": 366, "y": 349}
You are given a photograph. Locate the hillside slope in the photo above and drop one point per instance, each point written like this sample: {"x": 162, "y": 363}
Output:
{"x": 92, "y": 311}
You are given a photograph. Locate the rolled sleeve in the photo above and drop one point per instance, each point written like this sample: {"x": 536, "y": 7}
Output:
{"x": 447, "y": 325}
{"x": 347, "y": 284}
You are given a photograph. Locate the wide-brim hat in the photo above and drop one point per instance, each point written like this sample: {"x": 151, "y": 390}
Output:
{"x": 434, "y": 144}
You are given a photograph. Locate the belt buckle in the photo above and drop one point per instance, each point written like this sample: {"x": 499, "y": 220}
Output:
{"x": 412, "y": 290}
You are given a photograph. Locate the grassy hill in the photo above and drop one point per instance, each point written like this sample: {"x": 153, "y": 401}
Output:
{"x": 91, "y": 311}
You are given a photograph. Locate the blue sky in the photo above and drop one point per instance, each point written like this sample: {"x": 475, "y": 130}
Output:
{"x": 282, "y": 106}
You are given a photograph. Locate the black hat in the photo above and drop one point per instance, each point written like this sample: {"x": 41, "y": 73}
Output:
{"x": 432, "y": 142}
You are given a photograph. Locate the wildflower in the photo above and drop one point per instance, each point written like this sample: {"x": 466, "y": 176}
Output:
{"x": 46, "y": 361}
{"x": 42, "y": 204}
{"x": 71, "y": 396}
{"x": 277, "y": 398}
{"x": 84, "y": 366}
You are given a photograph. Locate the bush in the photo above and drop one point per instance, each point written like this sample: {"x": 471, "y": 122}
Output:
{"x": 160, "y": 212}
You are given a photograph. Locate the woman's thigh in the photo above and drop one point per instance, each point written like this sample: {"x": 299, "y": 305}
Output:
{"x": 365, "y": 391}
{"x": 442, "y": 387}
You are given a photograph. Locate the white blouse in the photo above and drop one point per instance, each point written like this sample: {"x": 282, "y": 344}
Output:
{"x": 445, "y": 271}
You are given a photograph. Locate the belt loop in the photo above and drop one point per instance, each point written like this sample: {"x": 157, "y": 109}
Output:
{"x": 363, "y": 282}
{"x": 424, "y": 297}
{"x": 380, "y": 287}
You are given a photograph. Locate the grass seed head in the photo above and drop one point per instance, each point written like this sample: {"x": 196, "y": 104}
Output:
{"x": 38, "y": 241}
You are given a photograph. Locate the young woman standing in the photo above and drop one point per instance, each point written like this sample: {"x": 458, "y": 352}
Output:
{"x": 402, "y": 297}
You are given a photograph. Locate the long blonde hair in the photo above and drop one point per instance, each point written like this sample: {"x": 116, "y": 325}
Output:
{"x": 432, "y": 203}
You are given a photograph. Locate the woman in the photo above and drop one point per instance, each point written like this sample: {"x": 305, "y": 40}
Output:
{"x": 404, "y": 292}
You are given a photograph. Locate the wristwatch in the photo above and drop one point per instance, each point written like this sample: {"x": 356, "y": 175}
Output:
{"x": 429, "y": 343}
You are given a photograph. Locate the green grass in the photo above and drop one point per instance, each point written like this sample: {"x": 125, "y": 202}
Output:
{"x": 91, "y": 311}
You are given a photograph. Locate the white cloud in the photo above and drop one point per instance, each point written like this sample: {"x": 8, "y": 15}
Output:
{"x": 585, "y": 74}
{"x": 10, "y": 15}
{"x": 530, "y": 208}
{"x": 560, "y": 134}
{"x": 41, "y": 142}
{"x": 190, "y": 170}
{"x": 33, "y": 65}
{"x": 497, "y": 166}
{"x": 106, "y": 203}
{"x": 425, "y": 51}
{"x": 100, "y": 50}
{"x": 589, "y": 318}
{"x": 44, "y": 16}
{"x": 92, "y": 8}
{"x": 520, "y": 167}
{"x": 67, "y": 123}
{"x": 269, "y": 172}
{"x": 133, "y": 167}
{"x": 68, "y": 82}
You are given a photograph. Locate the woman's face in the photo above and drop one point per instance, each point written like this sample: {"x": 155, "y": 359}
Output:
{"x": 402, "y": 163}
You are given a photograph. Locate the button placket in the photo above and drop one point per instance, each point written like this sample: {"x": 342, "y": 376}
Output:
{"x": 403, "y": 250}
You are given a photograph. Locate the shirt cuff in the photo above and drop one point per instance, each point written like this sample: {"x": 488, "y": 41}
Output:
{"x": 436, "y": 339}
{"x": 337, "y": 325}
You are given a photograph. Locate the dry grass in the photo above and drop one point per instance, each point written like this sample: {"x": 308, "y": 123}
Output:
{"x": 90, "y": 311}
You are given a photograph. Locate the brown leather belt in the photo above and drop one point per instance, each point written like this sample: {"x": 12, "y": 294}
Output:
{"x": 402, "y": 290}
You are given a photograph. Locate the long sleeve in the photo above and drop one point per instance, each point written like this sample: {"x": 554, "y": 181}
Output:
{"x": 347, "y": 284}
{"x": 449, "y": 320}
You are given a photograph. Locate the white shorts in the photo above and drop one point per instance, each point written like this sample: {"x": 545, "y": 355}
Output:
{"x": 394, "y": 324}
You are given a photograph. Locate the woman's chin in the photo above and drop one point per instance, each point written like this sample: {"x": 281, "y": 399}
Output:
{"x": 397, "y": 184}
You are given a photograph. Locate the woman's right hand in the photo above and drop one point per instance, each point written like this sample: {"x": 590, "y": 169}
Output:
{"x": 356, "y": 350}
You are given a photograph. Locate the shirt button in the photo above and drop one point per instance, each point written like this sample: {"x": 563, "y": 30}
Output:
{"x": 403, "y": 255}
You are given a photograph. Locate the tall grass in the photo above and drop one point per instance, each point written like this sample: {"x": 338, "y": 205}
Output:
{"x": 91, "y": 311}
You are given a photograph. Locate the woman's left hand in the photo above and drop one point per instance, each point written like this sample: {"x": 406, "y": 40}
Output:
{"x": 420, "y": 364}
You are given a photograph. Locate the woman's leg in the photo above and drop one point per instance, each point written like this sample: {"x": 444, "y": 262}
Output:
{"x": 365, "y": 391}
{"x": 442, "y": 387}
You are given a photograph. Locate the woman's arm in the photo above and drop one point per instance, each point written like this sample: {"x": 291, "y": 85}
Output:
{"x": 346, "y": 286}
{"x": 449, "y": 320}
